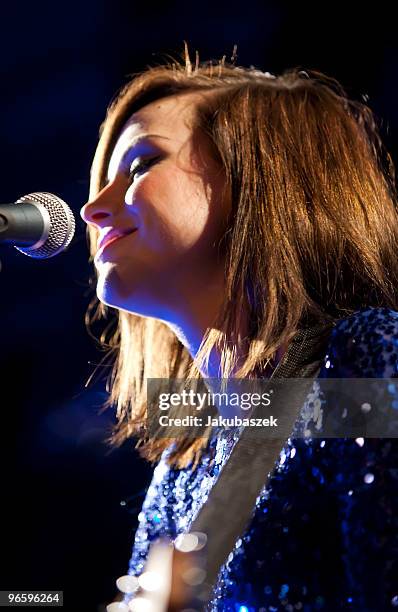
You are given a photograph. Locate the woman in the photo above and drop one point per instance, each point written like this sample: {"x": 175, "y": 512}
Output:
{"x": 229, "y": 211}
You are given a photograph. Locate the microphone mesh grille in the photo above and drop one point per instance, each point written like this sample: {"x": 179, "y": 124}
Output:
{"x": 62, "y": 225}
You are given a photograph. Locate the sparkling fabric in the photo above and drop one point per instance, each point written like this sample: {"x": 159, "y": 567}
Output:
{"x": 324, "y": 531}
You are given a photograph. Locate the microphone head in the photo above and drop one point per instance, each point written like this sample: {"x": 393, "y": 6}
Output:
{"x": 59, "y": 221}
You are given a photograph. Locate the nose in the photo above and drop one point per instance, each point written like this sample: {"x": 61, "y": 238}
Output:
{"x": 98, "y": 211}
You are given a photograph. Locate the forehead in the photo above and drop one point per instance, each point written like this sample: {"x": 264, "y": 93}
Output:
{"x": 169, "y": 118}
{"x": 166, "y": 114}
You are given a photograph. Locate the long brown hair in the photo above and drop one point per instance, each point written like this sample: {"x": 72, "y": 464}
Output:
{"x": 313, "y": 235}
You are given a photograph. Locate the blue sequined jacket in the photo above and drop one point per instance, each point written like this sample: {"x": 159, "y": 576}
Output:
{"x": 324, "y": 531}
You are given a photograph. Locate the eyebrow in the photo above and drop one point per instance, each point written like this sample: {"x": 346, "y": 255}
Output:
{"x": 133, "y": 145}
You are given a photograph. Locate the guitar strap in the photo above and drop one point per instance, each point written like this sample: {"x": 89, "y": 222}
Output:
{"x": 231, "y": 502}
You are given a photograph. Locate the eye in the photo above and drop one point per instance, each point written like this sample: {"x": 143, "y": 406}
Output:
{"x": 139, "y": 167}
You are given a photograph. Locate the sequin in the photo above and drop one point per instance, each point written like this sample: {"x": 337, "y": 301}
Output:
{"x": 324, "y": 531}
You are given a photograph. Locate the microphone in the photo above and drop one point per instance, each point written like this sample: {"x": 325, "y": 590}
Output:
{"x": 39, "y": 225}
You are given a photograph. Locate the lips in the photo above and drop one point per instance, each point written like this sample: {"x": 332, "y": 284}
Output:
{"x": 113, "y": 235}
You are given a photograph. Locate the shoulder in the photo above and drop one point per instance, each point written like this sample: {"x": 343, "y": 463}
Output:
{"x": 364, "y": 344}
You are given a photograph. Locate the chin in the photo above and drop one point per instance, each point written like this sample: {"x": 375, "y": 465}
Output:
{"x": 113, "y": 292}
{"x": 106, "y": 299}
{"x": 120, "y": 288}
{"x": 106, "y": 291}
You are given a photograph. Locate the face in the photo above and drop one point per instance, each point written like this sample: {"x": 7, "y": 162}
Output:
{"x": 161, "y": 215}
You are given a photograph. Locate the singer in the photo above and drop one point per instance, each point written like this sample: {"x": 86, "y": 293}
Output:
{"x": 230, "y": 212}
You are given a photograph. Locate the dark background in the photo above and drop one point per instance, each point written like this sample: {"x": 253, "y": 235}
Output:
{"x": 68, "y": 506}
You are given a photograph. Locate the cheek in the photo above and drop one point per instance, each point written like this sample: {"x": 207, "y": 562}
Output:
{"x": 181, "y": 212}
{"x": 173, "y": 203}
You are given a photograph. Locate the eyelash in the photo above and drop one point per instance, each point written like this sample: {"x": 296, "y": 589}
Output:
{"x": 140, "y": 166}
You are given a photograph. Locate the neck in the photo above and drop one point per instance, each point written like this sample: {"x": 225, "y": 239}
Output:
{"x": 191, "y": 331}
